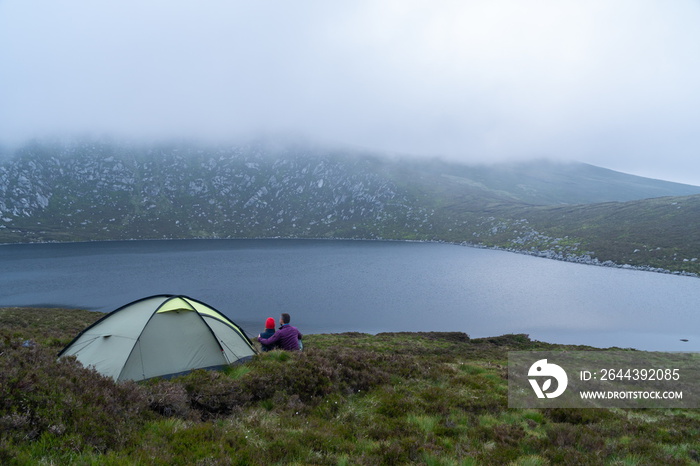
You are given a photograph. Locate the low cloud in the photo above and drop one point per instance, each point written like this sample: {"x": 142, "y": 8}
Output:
{"x": 609, "y": 83}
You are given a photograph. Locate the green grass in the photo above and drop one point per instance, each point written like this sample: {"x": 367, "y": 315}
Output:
{"x": 420, "y": 398}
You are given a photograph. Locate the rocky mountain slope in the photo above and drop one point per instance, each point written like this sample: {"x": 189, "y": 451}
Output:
{"x": 101, "y": 190}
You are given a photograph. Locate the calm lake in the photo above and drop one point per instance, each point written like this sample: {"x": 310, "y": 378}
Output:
{"x": 366, "y": 286}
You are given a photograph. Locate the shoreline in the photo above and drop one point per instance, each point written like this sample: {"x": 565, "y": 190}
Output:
{"x": 545, "y": 254}
{"x": 563, "y": 341}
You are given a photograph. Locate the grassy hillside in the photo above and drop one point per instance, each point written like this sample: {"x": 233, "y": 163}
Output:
{"x": 662, "y": 232}
{"x": 539, "y": 182}
{"x": 428, "y": 398}
{"x": 657, "y": 233}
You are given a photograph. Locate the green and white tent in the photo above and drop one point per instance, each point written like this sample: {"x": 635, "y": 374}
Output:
{"x": 160, "y": 336}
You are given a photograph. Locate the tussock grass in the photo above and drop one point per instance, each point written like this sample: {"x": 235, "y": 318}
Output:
{"x": 393, "y": 398}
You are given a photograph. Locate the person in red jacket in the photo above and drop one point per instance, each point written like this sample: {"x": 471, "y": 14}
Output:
{"x": 286, "y": 338}
{"x": 269, "y": 331}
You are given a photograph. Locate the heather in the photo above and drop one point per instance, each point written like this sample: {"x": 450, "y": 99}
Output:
{"x": 424, "y": 398}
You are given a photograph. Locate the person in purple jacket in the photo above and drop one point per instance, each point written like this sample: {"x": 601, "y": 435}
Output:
{"x": 286, "y": 338}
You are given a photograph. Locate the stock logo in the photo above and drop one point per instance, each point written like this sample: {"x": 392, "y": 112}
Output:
{"x": 546, "y": 372}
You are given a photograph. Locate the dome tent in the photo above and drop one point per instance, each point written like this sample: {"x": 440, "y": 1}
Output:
{"x": 160, "y": 336}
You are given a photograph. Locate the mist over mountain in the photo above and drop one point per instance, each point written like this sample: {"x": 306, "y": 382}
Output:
{"x": 105, "y": 190}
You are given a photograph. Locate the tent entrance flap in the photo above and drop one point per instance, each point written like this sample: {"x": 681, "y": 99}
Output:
{"x": 173, "y": 342}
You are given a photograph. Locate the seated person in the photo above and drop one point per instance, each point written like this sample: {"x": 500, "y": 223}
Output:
{"x": 286, "y": 338}
{"x": 269, "y": 331}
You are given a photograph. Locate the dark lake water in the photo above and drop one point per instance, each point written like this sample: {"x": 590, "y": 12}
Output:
{"x": 366, "y": 286}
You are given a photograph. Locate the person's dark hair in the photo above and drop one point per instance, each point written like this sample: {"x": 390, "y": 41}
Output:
{"x": 285, "y": 318}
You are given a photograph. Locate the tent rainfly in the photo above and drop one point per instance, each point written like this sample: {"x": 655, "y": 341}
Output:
{"x": 160, "y": 336}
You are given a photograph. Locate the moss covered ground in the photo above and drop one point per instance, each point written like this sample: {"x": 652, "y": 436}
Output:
{"x": 399, "y": 398}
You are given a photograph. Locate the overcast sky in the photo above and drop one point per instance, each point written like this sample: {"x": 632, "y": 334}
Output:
{"x": 615, "y": 83}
